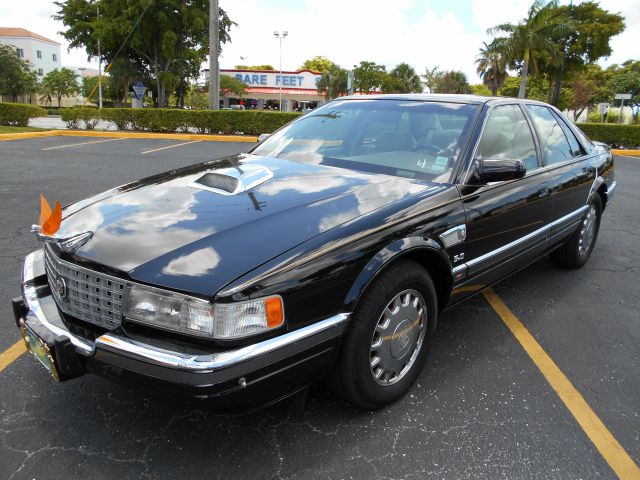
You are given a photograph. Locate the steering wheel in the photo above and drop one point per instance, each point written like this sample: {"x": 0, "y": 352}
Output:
{"x": 427, "y": 147}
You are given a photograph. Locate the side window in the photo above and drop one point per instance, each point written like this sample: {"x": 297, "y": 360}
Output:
{"x": 576, "y": 149}
{"x": 555, "y": 146}
{"x": 507, "y": 135}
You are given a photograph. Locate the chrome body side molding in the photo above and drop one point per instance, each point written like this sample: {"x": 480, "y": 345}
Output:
{"x": 543, "y": 231}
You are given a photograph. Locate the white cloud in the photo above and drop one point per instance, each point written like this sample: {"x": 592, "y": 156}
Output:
{"x": 36, "y": 16}
{"x": 348, "y": 32}
{"x": 420, "y": 32}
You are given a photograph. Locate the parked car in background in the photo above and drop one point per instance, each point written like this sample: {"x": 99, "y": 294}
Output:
{"x": 327, "y": 252}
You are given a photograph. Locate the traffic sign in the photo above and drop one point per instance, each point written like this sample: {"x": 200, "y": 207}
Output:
{"x": 623, "y": 96}
{"x": 139, "y": 89}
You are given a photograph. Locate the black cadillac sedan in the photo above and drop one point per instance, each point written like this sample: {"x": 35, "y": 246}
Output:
{"x": 325, "y": 253}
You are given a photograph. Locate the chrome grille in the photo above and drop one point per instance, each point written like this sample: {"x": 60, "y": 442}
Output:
{"x": 88, "y": 295}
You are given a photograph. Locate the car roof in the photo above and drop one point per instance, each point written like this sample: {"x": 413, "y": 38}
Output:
{"x": 440, "y": 97}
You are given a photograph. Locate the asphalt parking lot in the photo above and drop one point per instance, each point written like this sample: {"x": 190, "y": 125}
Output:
{"x": 480, "y": 409}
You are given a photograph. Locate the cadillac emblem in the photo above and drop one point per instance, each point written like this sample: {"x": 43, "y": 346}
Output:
{"x": 61, "y": 287}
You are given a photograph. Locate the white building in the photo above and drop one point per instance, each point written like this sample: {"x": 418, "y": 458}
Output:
{"x": 41, "y": 53}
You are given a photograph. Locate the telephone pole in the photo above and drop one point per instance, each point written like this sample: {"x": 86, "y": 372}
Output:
{"x": 214, "y": 50}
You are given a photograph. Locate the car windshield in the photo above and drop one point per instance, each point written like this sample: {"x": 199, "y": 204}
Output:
{"x": 413, "y": 139}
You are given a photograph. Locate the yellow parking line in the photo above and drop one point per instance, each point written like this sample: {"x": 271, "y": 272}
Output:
{"x": 82, "y": 143}
{"x": 10, "y": 354}
{"x": 205, "y": 137}
{"x": 170, "y": 146}
{"x": 617, "y": 458}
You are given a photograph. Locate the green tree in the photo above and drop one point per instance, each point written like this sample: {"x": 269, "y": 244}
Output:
{"x": 170, "y": 41}
{"x": 123, "y": 73}
{"x": 229, "y": 84}
{"x": 430, "y": 76}
{"x": 491, "y": 67}
{"x": 319, "y": 64}
{"x": 89, "y": 83}
{"x": 333, "y": 82}
{"x": 537, "y": 89}
{"x": 531, "y": 38}
{"x": 16, "y": 78}
{"x": 588, "y": 40}
{"x": 60, "y": 83}
{"x": 451, "y": 81}
{"x": 254, "y": 67}
{"x": 368, "y": 76}
{"x": 402, "y": 79}
{"x": 587, "y": 87}
{"x": 481, "y": 89}
{"x": 625, "y": 78}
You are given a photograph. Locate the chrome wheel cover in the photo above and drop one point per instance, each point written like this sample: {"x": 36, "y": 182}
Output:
{"x": 397, "y": 338}
{"x": 587, "y": 231}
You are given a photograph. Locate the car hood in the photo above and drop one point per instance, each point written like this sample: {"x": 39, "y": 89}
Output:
{"x": 169, "y": 231}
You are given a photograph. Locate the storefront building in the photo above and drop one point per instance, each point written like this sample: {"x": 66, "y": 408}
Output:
{"x": 299, "y": 90}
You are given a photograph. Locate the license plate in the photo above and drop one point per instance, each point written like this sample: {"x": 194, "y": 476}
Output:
{"x": 39, "y": 349}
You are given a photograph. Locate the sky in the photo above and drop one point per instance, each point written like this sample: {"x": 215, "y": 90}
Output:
{"x": 424, "y": 33}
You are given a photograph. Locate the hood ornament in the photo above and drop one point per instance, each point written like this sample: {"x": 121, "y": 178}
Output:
{"x": 67, "y": 244}
{"x": 49, "y": 223}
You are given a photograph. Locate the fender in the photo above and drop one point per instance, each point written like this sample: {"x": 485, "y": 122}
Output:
{"x": 597, "y": 183}
{"x": 392, "y": 252}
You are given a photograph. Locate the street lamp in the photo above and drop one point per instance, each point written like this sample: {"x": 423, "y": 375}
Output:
{"x": 280, "y": 36}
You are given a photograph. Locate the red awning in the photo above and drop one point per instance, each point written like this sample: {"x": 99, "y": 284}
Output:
{"x": 285, "y": 91}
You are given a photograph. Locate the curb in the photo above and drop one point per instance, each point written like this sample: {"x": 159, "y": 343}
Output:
{"x": 629, "y": 153}
{"x": 118, "y": 134}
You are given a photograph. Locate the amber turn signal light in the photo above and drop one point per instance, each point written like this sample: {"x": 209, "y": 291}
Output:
{"x": 275, "y": 312}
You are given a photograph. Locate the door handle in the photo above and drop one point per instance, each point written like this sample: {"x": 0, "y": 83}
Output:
{"x": 544, "y": 192}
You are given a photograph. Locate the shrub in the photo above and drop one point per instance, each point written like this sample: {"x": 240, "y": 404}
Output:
{"x": 249, "y": 122}
{"x": 72, "y": 116}
{"x": 596, "y": 117}
{"x": 621, "y": 136}
{"x": 18, "y": 114}
{"x": 120, "y": 117}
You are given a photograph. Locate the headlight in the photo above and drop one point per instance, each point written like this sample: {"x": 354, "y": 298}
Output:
{"x": 192, "y": 316}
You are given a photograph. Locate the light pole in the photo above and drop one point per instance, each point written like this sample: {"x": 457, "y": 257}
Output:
{"x": 280, "y": 36}
{"x": 214, "y": 51}
{"x": 99, "y": 65}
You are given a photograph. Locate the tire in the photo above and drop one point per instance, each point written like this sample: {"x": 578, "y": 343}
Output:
{"x": 577, "y": 250}
{"x": 383, "y": 327}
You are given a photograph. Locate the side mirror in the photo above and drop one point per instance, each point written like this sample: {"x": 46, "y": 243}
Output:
{"x": 498, "y": 170}
{"x": 263, "y": 137}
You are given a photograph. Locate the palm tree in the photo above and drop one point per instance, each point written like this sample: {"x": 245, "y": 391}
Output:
{"x": 403, "y": 79}
{"x": 492, "y": 67}
{"x": 333, "y": 82}
{"x": 532, "y": 37}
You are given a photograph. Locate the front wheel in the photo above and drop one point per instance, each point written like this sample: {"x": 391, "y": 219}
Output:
{"x": 388, "y": 338}
{"x": 577, "y": 250}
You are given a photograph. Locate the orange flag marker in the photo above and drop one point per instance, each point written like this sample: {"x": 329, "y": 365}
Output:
{"x": 49, "y": 220}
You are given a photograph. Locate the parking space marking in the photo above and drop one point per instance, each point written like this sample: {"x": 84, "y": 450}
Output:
{"x": 82, "y": 143}
{"x": 169, "y": 146}
{"x": 11, "y": 354}
{"x": 614, "y": 454}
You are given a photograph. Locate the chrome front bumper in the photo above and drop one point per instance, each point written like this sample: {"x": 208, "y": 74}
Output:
{"x": 112, "y": 353}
